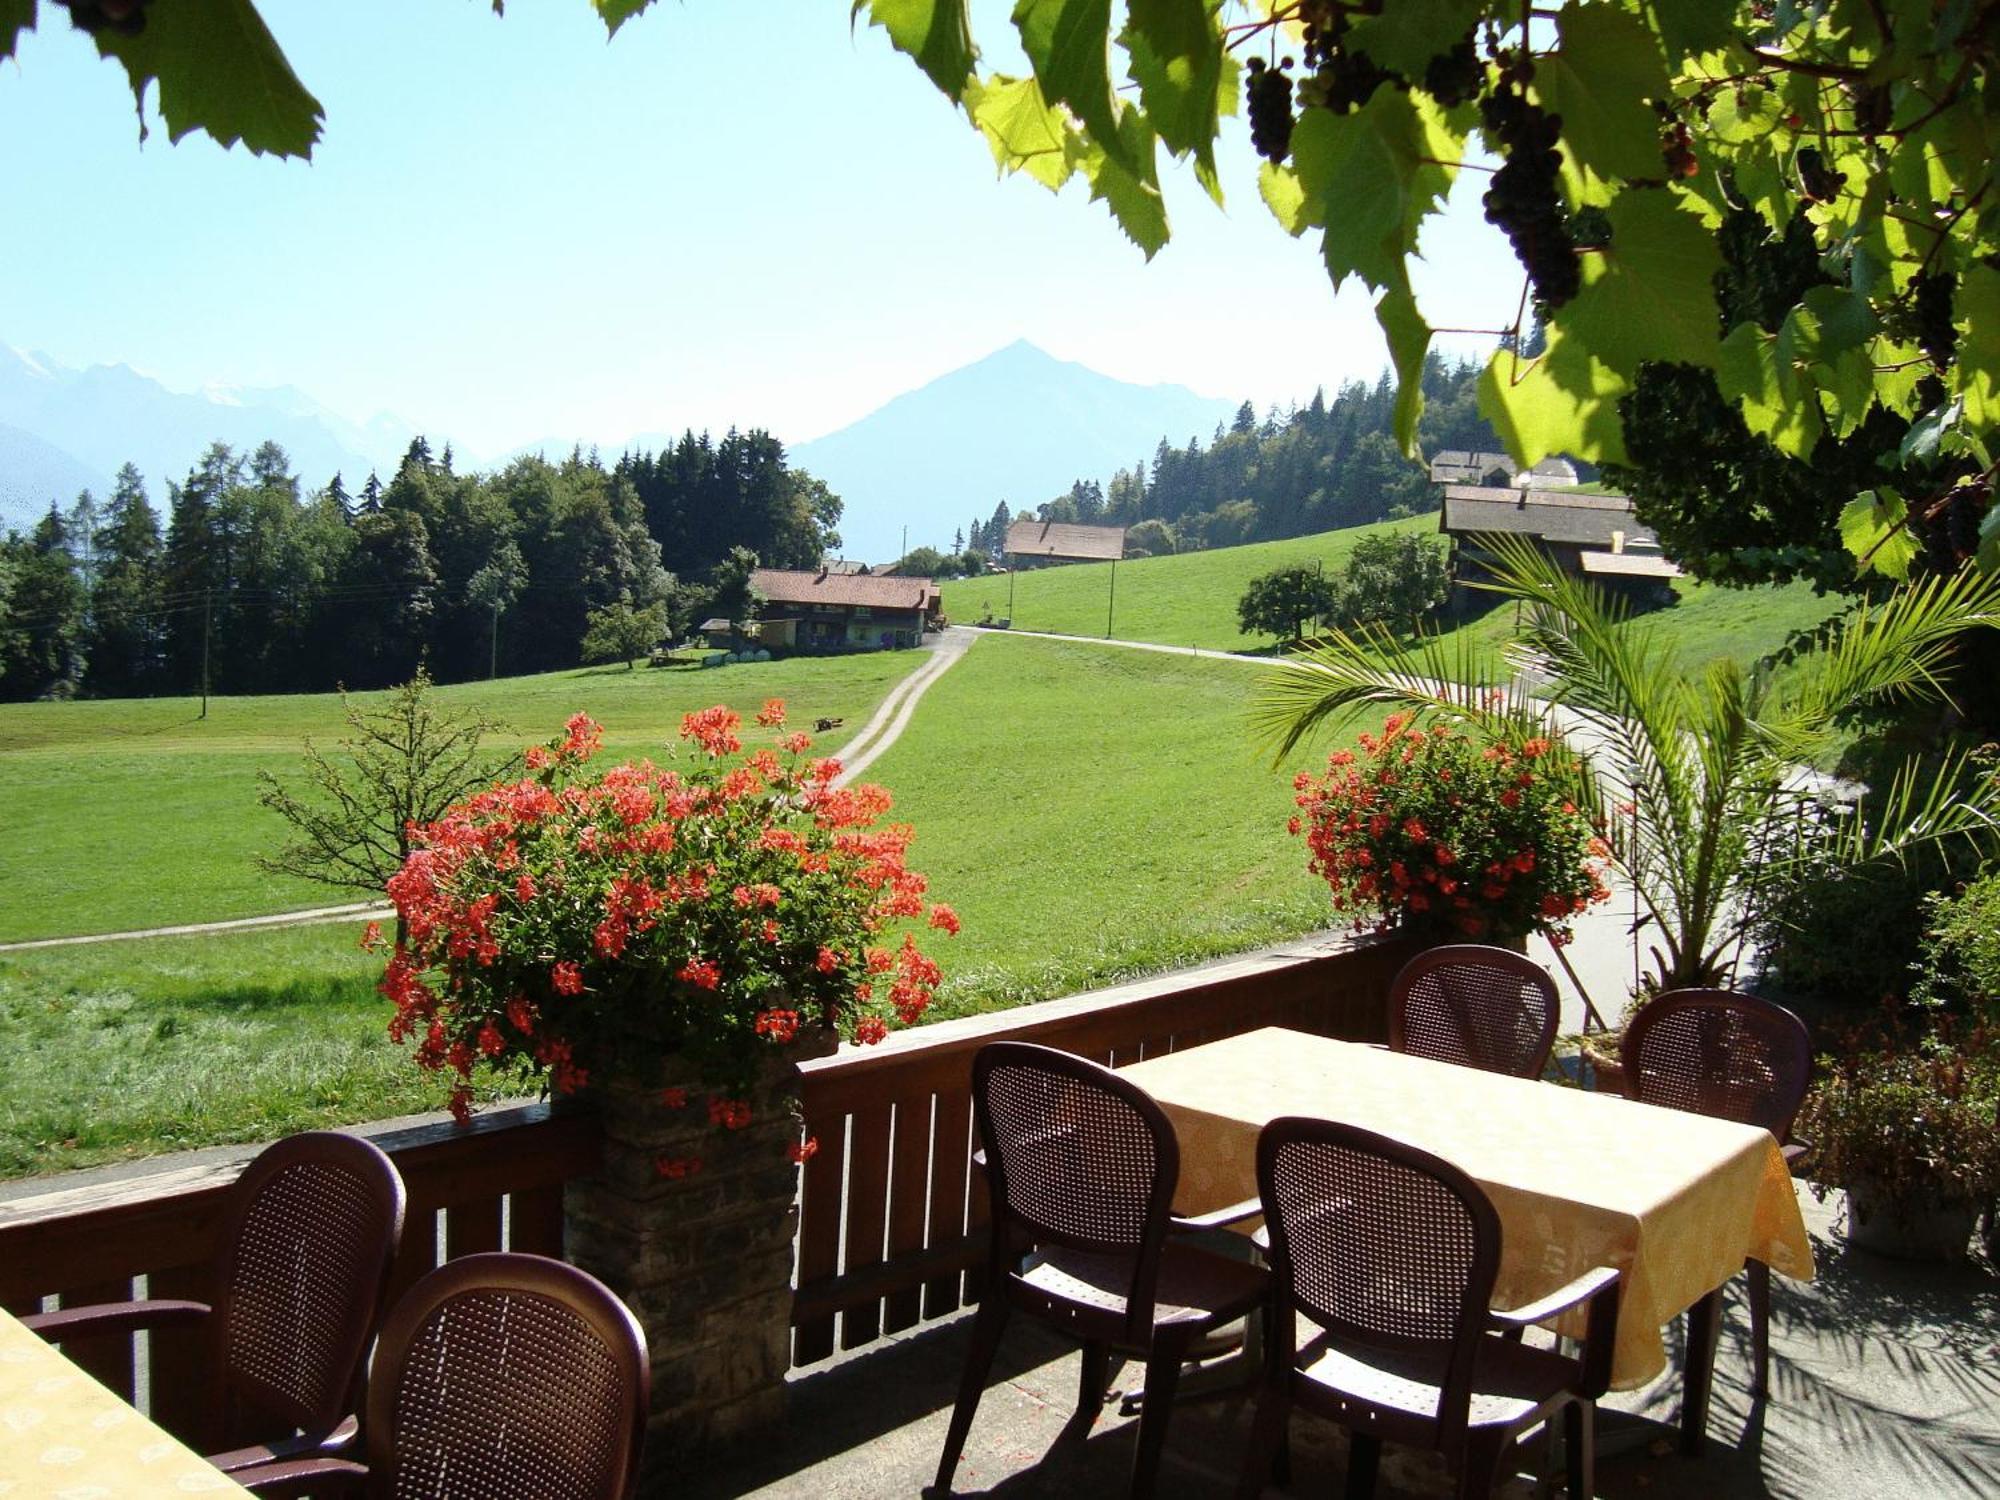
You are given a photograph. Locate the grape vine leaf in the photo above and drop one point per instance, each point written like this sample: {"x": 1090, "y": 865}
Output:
{"x": 937, "y": 33}
{"x": 1405, "y": 36}
{"x": 1872, "y": 528}
{"x": 614, "y": 13}
{"x": 1988, "y": 555}
{"x": 1649, "y": 294}
{"x": 1025, "y": 132}
{"x": 1279, "y": 187}
{"x": 16, "y": 16}
{"x": 1689, "y": 27}
{"x": 1127, "y": 180}
{"x": 219, "y": 70}
{"x": 1598, "y": 80}
{"x": 1409, "y": 338}
{"x": 1563, "y": 402}
{"x": 1183, "y": 73}
{"x": 1369, "y": 178}
{"x": 1069, "y": 44}
{"x": 1750, "y": 372}
{"x": 1976, "y": 311}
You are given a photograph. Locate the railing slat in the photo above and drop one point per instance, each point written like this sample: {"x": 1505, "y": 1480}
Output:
{"x": 178, "y": 1362}
{"x": 106, "y": 1358}
{"x": 950, "y": 1147}
{"x": 821, "y": 1186}
{"x": 909, "y": 1184}
{"x": 470, "y": 1228}
{"x": 867, "y": 1208}
{"x": 535, "y": 1221}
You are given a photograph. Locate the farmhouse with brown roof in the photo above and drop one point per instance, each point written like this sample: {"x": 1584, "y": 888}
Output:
{"x": 831, "y": 611}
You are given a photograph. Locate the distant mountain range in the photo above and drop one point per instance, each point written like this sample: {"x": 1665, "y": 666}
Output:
{"x": 1018, "y": 425}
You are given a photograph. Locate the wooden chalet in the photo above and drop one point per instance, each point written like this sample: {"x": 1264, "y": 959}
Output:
{"x": 1594, "y": 535}
{"x": 832, "y": 611}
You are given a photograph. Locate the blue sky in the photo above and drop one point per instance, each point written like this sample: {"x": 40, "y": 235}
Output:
{"x": 738, "y": 212}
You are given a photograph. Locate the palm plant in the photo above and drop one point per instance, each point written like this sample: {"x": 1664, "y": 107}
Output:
{"x": 1699, "y": 778}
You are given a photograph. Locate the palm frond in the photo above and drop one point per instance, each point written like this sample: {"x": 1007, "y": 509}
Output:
{"x": 1897, "y": 649}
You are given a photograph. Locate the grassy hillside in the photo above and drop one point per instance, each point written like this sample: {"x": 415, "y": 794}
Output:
{"x": 137, "y": 813}
{"x": 1190, "y": 600}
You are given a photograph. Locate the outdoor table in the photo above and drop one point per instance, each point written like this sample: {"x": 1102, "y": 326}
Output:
{"x": 63, "y": 1434}
{"x": 1675, "y": 1201}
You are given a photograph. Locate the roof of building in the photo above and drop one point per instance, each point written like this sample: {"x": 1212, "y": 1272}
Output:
{"x": 1575, "y": 517}
{"x": 1461, "y": 466}
{"x": 860, "y": 590}
{"x": 1062, "y": 539}
{"x": 848, "y": 565}
{"x": 1627, "y": 564}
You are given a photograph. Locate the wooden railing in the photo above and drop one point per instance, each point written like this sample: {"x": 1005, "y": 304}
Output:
{"x": 890, "y": 1220}
{"x": 495, "y": 1184}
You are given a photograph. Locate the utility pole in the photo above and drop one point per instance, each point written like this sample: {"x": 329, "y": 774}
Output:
{"x": 906, "y": 545}
{"x": 207, "y": 597}
{"x": 1112, "y": 603}
{"x": 493, "y": 663}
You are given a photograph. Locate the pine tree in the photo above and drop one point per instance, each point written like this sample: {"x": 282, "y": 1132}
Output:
{"x": 126, "y": 620}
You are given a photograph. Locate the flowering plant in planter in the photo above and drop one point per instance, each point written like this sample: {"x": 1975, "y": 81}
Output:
{"x": 1456, "y": 837}
{"x": 579, "y": 923}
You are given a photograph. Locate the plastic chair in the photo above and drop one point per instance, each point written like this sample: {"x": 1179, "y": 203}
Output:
{"x": 308, "y": 1235}
{"x": 1735, "y": 1057}
{"x": 1391, "y": 1253}
{"x": 1477, "y": 1006}
{"x": 1081, "y": 1167}
{"x": 499, "y": 1377}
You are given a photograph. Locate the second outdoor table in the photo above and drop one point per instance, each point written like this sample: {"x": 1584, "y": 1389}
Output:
{"x": 1675, "y": 1201}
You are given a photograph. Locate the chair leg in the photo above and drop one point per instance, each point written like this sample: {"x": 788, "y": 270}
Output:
{"x": 987, "y": 1326}
{"x": 1163, "y": 1373}
{"x": 1364, "y": 1459}
{"x": 1267, "y": 1440}
{"x": 1580, "y": 1448}
{"x": 1704, "y": 1331}
{"x": 1479, "y": 1468}
{"x": 1758, "y": 1278}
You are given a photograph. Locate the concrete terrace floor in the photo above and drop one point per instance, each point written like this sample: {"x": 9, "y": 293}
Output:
{"x": 1886, "y": 1378}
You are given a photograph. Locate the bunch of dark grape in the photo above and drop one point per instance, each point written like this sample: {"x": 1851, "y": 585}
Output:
{"x": 1819, "y": 182}
{"x": 1267, "y": 95}
{"x": 1677, "y": 150}
{"x": 1337, "y": 79}
{"x": 1951, "y": 526}
{"x": 1453, "y": 77}
{"x": 1931, "y": 294}
{"x": 1524, "y": 199}
{"x": 125, "y": 17}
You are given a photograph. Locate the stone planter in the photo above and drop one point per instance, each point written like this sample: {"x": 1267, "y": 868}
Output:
{"x": 704, "y": 1258}
{"x": 1601, "y": 1051}
{"x": 1881, "y": 1224}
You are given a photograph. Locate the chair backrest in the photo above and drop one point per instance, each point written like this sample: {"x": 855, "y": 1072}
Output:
{"x": 1478, "y": 1006}
{"x": 1076, "y": 1156}
{"x": 508, "y": 1377}
{"x": 1716, "y": 1052}
{"x": 307, "y": 1241}
{"x": 1380, "y": 1243}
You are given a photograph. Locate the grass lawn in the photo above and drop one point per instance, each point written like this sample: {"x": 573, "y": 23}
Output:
{"x": 135, "y": 813}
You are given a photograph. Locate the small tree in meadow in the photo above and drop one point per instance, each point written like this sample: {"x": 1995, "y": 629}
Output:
{"x": 1283, "y": 600}
{"x": 618, "y": 632}
{"x": 1396, "y": 579}
{"x": 400, "y": 766}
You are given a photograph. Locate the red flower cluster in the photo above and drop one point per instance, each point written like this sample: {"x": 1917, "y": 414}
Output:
{"x": 572, "y": 923}
{"x": 1426, "y": 828}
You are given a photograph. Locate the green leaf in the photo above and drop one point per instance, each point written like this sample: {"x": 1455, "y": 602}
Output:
{"x": 1744, "y": 114}
{"x": 1871, "y": 527}
{"x": 1369, "y": 179}
{"x": 1409, "y": 339}
{"x": 1282, "y": 194}
{"x": 1750, "y": 372}
{"x": 614, "y": 13}
{"x": 1175, "y": 48}
{"x": 1920, "y": 443}
{"x": 1025, "y": 132}
{"x": 16, "y": 16}
{"x": 1128, "y": 182}
{"x": 1649, "y": 294}
{"x": 1976, "y": 313}
{"x": 1688, "y": 27}
{"x": 1405, "y": 36}
{"x": 1069, "y": 43}
{"x": 219, "y": 70}
{"x": 937, "y": 33}
{"x": 1564, "y": 402}
{"x": 1988, "y": 556}
{"x": 1599, "y": 80}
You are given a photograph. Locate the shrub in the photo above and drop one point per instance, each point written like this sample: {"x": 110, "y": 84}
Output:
{"x": 1455, "y": 837}
{"x": 1958, "y": 968}
{"x": 572, "y": 923}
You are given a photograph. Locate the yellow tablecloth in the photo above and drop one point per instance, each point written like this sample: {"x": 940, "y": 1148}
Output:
{"x": 1675, "y": 1201}
{"x": 65, "y": 1437}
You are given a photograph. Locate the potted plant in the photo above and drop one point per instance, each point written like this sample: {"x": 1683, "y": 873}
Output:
{"x": 1909, "y": 1129}
{"x": 1450, "y": 837}
{"x": 669, "y": 941}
